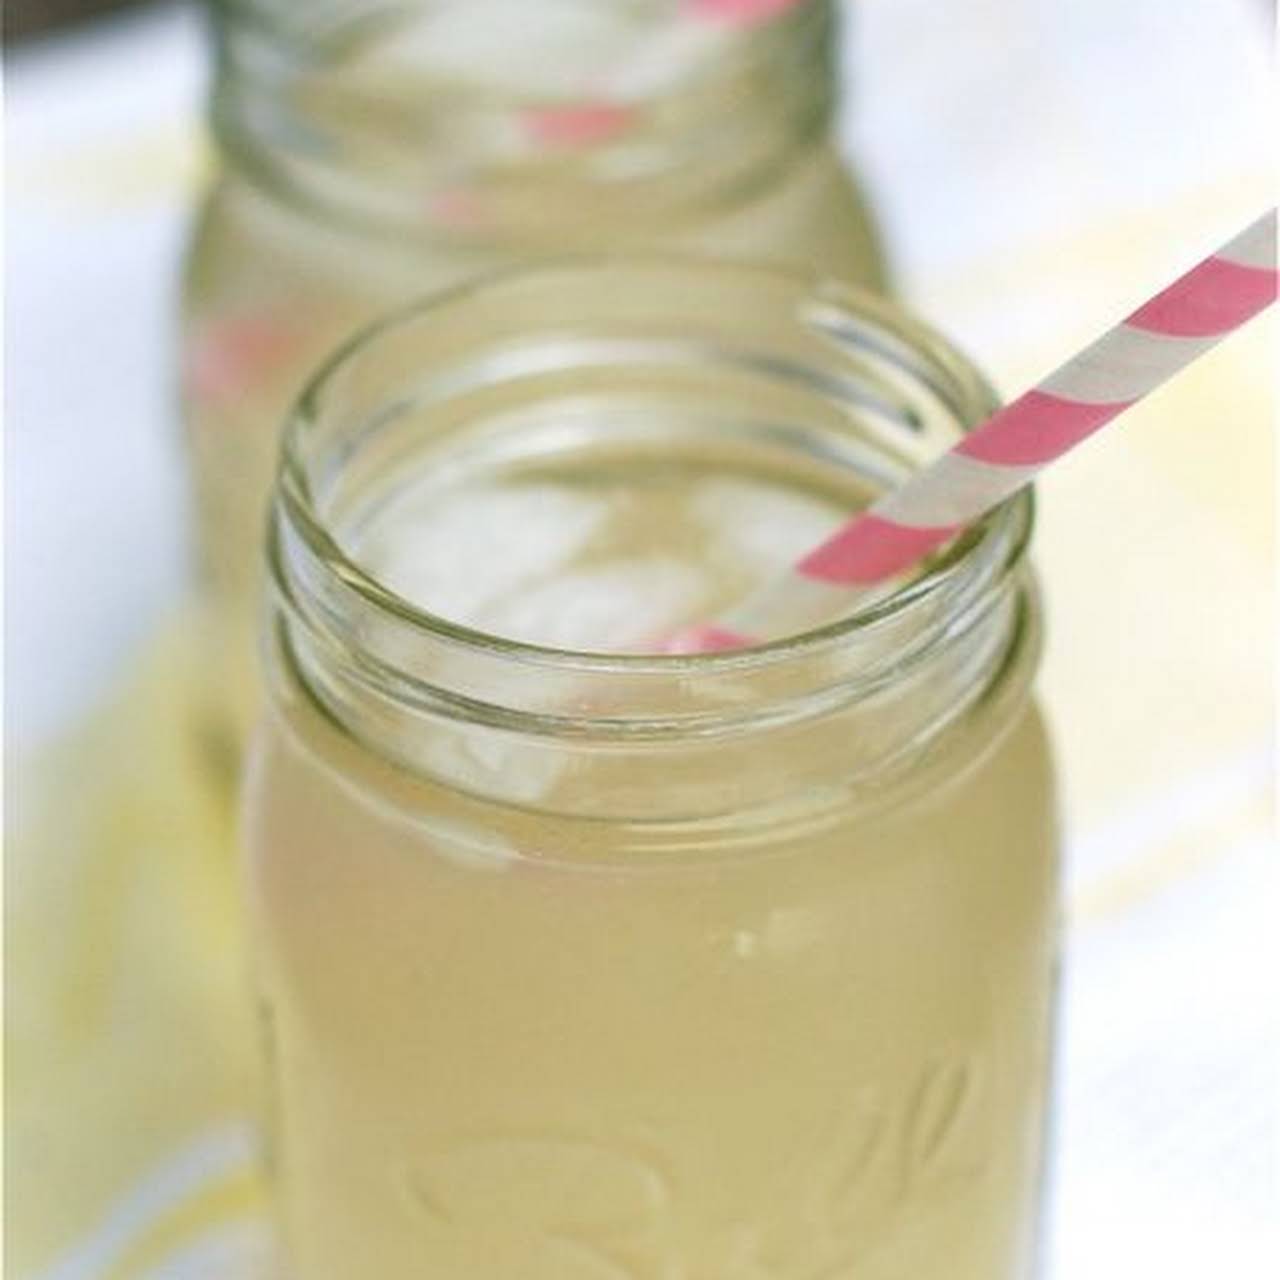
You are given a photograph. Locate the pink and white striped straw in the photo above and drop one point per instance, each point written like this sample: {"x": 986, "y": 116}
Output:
{"x": 1006, "y": 452}
{"x": 697, "y": 31}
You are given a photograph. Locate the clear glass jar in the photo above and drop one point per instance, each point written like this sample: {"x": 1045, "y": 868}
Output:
{"x": 374, "y": 151}
{"x": 578, "y": 963}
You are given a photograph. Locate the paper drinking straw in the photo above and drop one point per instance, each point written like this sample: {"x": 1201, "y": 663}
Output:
{"x": 697, "y": 32}
{"x": 1006, "y": 452}
{"x": 227, "y": 359}
{"x": 612, "y": 105}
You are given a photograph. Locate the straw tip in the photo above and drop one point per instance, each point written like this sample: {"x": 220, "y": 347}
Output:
{"x": 704, "y": 639}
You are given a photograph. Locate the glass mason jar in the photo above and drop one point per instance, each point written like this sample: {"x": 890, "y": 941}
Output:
{"x": 577, "y": 962}
{"x": 374, "y": 151}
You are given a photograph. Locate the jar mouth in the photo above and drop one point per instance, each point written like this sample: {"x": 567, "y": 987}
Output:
{"x": 992, "y": 547}
{"x": 315, "y": 25}
{"x": 437, "y": 148}
{"x": 309, "y": 561}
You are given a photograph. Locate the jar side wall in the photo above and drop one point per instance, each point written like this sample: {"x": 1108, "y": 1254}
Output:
{"x": 836, "y": 1048}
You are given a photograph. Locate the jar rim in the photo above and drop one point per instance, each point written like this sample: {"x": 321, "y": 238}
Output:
{"x": 985, "y": 555}
{"x": 417, "y": 180}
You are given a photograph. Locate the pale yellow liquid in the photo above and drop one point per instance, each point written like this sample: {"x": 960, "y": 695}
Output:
{"x": 272, "y": 290}
{"x": 504, "y": 1045}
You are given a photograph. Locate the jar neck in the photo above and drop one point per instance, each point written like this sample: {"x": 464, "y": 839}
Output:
{"x": 467, "y": 119}
{"x": 605, "y": 367}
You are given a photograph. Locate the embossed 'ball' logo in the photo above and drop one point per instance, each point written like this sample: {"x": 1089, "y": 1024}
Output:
{"x": 571, "y": 1209}
{"x": 556, "y": 1207}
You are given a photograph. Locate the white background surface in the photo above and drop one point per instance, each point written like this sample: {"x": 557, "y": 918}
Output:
{"x": 1167, "y": 1156}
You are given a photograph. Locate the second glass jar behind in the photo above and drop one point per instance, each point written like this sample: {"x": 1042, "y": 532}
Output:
{"x": 372, "y": 152}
